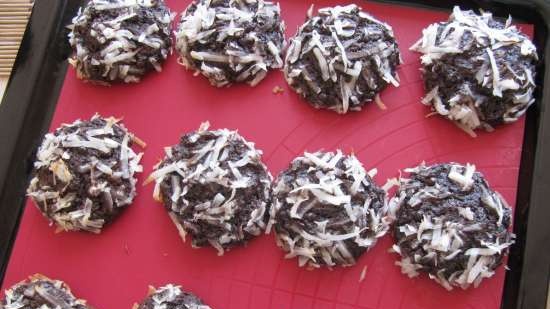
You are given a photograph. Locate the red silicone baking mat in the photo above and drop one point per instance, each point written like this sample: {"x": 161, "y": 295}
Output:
{"x": 112, "y": 270}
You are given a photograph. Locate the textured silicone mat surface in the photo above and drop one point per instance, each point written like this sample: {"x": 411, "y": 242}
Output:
{"x": 142, "y": 247}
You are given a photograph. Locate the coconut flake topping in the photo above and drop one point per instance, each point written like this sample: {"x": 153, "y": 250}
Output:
{"x": 231, "y": 41}
{"x": 450, "y": 224}
{"x": 84, "y": 169}
{"x": 341, "y": 58}
{"x": 41, "y": 292}
{"x": 327, "y": 210}
{"x": 120, "y": 40}
{"x": 215, "y": 188}
{"x": 171, "y": 296}
{"x": 478, "y": 71}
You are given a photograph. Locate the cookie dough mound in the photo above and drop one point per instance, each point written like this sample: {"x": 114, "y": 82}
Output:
{"x": 215, "y": 187}
{"x": 450, "y": 224}
{"x": 84, "y": 174}
{"x": 39, "y": 292}
{"x": 120, "y": 40}
{"x": 231, "y": 41}
{"x": 478, "y": 71}
{"x": 341, "y": 59}
{"x": 327, "y": 210}
{"x": 170, "y": 297}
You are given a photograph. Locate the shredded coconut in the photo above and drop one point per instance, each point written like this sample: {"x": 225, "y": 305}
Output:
{"x": 227, "y": 24}
{"x": 94, "y": 155}
{"x": 350, "y": 74}
{"x": 457, "y": 225}
{"x": 336, "y": 192}
{"x": 121, "y": 40}
{"x": 494, "y": 61}
{"x": 214, "y": 180}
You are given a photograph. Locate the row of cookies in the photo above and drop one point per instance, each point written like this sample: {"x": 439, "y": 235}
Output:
{"x": 39, "y": 291}
{"x": 325, "y": 208}
{"x": 478, "y": 71}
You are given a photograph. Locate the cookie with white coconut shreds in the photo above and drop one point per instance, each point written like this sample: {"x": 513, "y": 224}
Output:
{"x": 450, "y": 224}
{"x": 85, "y": 173}
{"x": 120, "y": 40}
{"x": 341, "y": 59}
{"x": 170, "y": 297}
{"x": 231, "y": 41}
{"x": 40, "y": 292}
{"x": 478, "y": 71}
{"x": 215, "y": 188}
{"x": 327, "y": 210}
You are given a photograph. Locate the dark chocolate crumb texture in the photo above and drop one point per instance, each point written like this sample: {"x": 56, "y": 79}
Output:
{"x": 215, "y": 187}
{"x": 327, "y": 210}
{"x": 84, "y": 173}
{"x": 170, "y": 297}
{"x": 450, "y": 224}
{"x": 40, "y": 292}
{"x": 231, "y": 41}
{"x": 120, "y": 40}
{"x": 478, "y": 71}
{"x": 341, "y": 59}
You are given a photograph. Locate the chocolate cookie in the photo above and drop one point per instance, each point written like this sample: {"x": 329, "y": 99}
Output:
{"x": 478, "y": 71}
{"x": 450, "y": 224}
{"x": 231, "y": 41}
{"x": 327, "y": 210}
{"x": 341, "y": 59}
{"x": 215, "y": 187}
{"x": 170, "y": 297}
{"x": 84, "y": 173}
{"x": 119, "y": 40}
{"x": 40, "y": 292}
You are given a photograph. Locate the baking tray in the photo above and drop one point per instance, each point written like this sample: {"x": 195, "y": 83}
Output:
{"x": 257, "y": 276}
